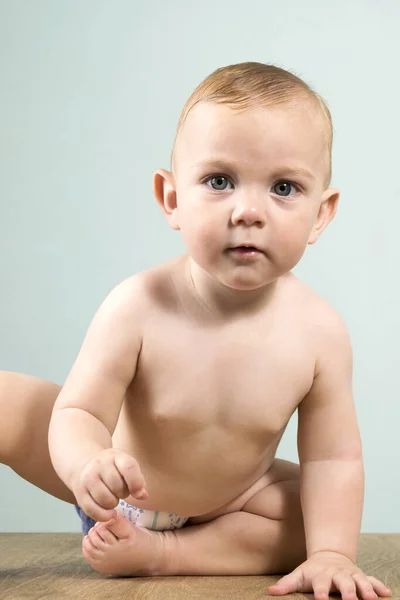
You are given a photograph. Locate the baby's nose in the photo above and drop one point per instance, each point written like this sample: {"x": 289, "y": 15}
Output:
{"x": 249, "y": 213}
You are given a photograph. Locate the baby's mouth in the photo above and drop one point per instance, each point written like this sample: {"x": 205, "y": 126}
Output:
{"x": 245, "y": 250}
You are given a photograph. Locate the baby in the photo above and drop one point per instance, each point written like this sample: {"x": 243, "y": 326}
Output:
{"x": 166, "y": 430}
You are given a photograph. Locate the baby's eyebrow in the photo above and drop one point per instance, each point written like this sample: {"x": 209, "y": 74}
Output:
{"x": 298, "y": 171}
{"x": 289, "y": 170}
{"x": 213, "y": 164}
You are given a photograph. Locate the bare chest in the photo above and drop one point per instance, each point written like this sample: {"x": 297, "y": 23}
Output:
{"x": 241, "y": 381}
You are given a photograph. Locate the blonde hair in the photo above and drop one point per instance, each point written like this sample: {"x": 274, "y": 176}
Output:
{"x": 251, "y": 84}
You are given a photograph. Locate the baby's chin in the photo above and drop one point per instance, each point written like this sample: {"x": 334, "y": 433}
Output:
{"x": 245, "y": 283}
{"x": 240, "y": 279}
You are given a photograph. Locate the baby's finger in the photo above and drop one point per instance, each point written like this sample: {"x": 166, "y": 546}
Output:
{"x": 345, "y": 585}
{"x": 102, "y": 494}
{"x": 114, "y": 481}
{"x": 287, "y": 584}
{"x": 321, "y": 586}
{"x": 89, "y": 505}
{"x": 364, "y": 587}
{"x": 380, "y": 588}
{"x": 132, "y": 475}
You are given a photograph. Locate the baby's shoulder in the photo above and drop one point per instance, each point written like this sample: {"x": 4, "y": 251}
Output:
{"x": 317, "y": 314}
{"x": 145, "y": 290}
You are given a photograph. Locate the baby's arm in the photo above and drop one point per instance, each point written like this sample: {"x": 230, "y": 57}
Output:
{"x": 329, "y": 445}
{"x": 87, "y": 409}
{"x": 331, "y": 479}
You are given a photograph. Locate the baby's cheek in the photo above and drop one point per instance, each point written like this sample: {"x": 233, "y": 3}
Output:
{"x": 207, "y": 235}
{"x": 200, "y": 237}
{"x": 290, "y": 245}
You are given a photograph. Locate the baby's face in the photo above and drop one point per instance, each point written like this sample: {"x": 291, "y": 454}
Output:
{"x": 253, "y": 178}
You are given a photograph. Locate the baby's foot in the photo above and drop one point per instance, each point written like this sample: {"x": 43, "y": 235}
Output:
{"x": 118, "y": 547}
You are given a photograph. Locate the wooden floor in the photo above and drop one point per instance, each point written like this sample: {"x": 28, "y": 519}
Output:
{"x": 50, "y": 566}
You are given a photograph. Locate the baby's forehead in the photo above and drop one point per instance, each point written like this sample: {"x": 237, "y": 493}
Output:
{"x": 213, "y": 129}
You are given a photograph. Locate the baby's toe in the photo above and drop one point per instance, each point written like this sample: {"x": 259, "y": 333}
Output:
{"x": 120, "y": 527}
{"x": 106, "y": 535}
{"x": 89, "y": 550}
{"x": 96, "y": 538}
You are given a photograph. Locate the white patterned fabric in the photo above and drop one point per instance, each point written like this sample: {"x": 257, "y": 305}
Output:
{"x": 150, "y": 519}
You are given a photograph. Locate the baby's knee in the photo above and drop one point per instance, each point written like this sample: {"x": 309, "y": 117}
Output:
{"x": 9, "y": 420}
{"x": 26, "y": 404}
{"x": 11, "y": 430}
{"x": 278, "y": 501}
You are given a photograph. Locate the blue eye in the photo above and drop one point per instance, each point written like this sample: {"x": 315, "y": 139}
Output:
{"x": 283, "y": 188}
{"x": 218, "y": 182}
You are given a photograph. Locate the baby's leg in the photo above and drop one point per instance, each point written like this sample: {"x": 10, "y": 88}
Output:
{"x": 26, "y": 404}
{"x": 262, "y": 535}
{"x": 266, "y": 536}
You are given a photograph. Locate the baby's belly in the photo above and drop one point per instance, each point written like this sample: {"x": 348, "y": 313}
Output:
{"x": 196, "y": 486}
{"x": 191, "y": 497}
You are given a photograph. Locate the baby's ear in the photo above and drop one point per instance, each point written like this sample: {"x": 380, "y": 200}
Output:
{"x": 327, "y": 211}
{"x": 165, "y": 193}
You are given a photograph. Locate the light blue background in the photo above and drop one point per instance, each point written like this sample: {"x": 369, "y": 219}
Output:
{"x": 91, "y": 91}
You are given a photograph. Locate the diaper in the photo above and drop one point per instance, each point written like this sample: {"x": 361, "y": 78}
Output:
{"x": 155, "y": 520}
{"x": 150, "y": 519}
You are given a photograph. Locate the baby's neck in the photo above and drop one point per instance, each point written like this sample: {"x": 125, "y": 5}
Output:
{"x": 222, "y": 303}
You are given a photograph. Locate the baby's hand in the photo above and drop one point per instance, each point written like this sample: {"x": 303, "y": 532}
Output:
{"x": 326, "y": 572}
{"x": 108, "y": 476}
